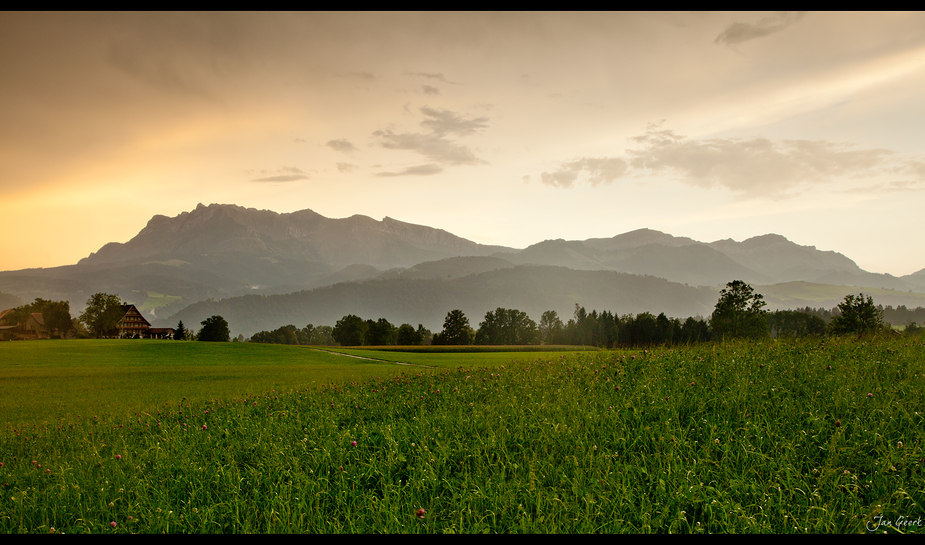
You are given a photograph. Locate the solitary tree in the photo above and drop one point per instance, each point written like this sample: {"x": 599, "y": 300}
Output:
{"x": 551, "y": 328}
{"x": 180, "y": 332}
{"x": 857, "y": 315}
{"x": 407, "y": 336}
{"x": 350, "y": 330}
{"x": 739, "y": 312}
{"x": 214, "y": 329}
{"x": 102, "y": 314}
{"x": 456, "y": 330}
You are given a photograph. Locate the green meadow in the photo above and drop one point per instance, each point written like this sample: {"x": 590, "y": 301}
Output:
{"x": 810, "y": 436}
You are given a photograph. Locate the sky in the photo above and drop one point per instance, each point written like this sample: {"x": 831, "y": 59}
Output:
{"x": 502, "y": 128}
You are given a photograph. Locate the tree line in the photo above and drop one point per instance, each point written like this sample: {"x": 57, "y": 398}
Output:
{"x": 739, "y": 313}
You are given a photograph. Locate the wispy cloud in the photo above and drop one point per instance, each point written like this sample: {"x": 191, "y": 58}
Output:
{"x": 597, "y": 170}
{"x": 442, "y": 122}
{"x": 752, "y": 167}
{"x": 431, "y": 146}
{"x": 428, "y": 90}
{"x": 436, "y": 76}
{"x": 419, "y": 170}
{"x": 284, "y": 174}
{"x": 755, "y": 168}
{"x": 435, "y": 144}
{"x": 737, "y": 33}
{"x": 346, "y": 167}
{"x": 342, "y": 145}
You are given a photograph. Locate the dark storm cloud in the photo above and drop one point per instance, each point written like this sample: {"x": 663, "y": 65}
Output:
{"x": 342, "y": 145}
{"x": 597, "y": 170}
{"x": 737, "y": 33}
{"x": 284, "y": 174}
{"x": 420, "y": 170}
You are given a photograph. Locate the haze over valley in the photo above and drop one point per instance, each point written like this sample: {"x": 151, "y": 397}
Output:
{"x": 261, "y": 269}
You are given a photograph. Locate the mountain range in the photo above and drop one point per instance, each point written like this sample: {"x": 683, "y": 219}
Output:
{"x": 261, "y": 269}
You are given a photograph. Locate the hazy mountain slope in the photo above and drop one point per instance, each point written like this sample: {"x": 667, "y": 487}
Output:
{"x": 917, "y": 279}
{"x": 451, "y": 267}
{"x": 695, "y": 264}
{"x": 302, "y": 236}
{"x": 573, "y": 254}
{"x": 783, "y": 260}
{"x": 532, "y": 289}
{"x": 637, "y": 238}
{"x": 794, "y": 295}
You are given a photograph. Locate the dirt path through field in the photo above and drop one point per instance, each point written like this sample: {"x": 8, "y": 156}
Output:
{"x": 372, "y": 359}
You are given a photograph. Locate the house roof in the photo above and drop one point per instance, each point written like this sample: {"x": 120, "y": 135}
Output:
{"x": 37, "y": 316}
{"x": 3, "y": 313}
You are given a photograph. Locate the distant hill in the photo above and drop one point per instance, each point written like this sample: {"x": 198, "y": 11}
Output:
{"x": 532, "y": 289}
{"x": 225, "y": 251}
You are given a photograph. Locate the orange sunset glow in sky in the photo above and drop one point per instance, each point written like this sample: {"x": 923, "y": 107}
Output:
{"x": 503, "y": 128}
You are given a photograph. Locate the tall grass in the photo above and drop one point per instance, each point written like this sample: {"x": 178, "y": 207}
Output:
{"x": 743, "y": 437}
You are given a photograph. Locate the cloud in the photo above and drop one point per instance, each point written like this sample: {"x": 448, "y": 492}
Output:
{"x": 889, "y": 187}
{"x": 434, "y": 144}
{"x": 284, "y": 174}
{"x": 346, "y": 167}
{"x": 428, "y": 90}
{"x": 751, "y": 167}
{"x": 159, "y": 70}
{"x": 755, "y": 167}
{"x": 342, "y": 145}
{"x": 438, "y": 77}
{"x": 298, "y": 140}
{"x": 368, "y": 76}
{"x": 737, "y": 33}
{"x": 442, "y": 122}
{"x": 598, "y": 170}
{"x": 420, "y": 170}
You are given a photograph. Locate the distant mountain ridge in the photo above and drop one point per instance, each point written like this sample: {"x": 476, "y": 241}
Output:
{"x": 224, "y": 251}
{"x": 303, "y": 235}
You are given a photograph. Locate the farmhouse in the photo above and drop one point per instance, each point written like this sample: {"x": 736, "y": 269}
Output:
{"x": 161, "y": 333}
{"x": 7, "y": 331}
{"x": 132, "y": 325}
{"x": 35, "y": 325}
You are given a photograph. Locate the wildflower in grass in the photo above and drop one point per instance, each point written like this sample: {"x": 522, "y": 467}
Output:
{"x": 118, "y": 456}
{"x": 353, "y": 443}
{"x": 870, "y": 394}
{"x": 420, "y": 513}
{"x": 113, "y": 524}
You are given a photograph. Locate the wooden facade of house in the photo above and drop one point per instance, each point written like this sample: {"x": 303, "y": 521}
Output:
{"x": 161, "y": 333}
{"x": 35, "y": 325}
{"x": 7, "y": 330}
{"x": 132, "y": 325}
